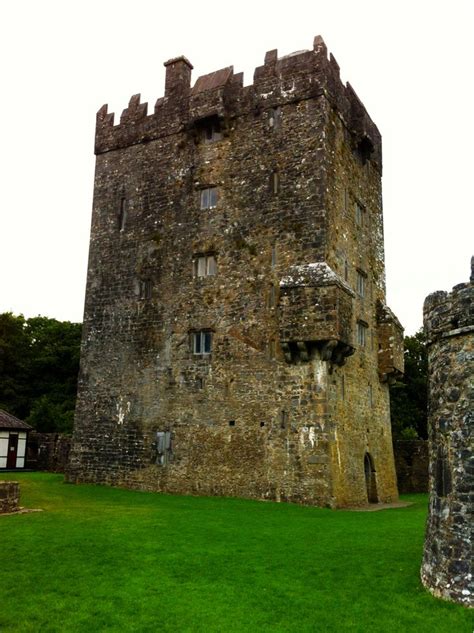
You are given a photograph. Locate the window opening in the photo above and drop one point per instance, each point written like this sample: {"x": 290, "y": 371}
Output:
{"x": 204, "y": 265}
{"x": 359, "y": 214}
{"x": 275, "y": 182}
{"x": 274, "y": 119}
{"x": 122, "y": 214}
{"x": 146, "y": 289}
{"x": 361, "y": 333}
{"x": 201, "y": 342}
{"x": 163, "y": 447}
{"x": 274, "y": 255}
{"x": 209, "y": 198}
{"x": 361, "y": 283}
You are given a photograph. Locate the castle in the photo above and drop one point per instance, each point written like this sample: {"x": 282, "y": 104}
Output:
{"x": 236, "y": 338}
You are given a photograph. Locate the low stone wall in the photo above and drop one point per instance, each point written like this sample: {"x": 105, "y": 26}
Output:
{"x": 412, "y": 465}
{"x": 9, "y": 496}
{"x": 48, "y": 451}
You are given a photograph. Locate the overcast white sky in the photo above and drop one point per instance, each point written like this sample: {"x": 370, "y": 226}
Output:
{"x": 411, "y": 63}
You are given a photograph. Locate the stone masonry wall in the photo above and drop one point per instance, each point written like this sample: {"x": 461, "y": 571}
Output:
{"x": 449, "y": 324}
{"x": 48, "y": 451}
{"x": 9, "y": 496}
{"x": 275, "y": 408}
{"x": 411, "y": 464}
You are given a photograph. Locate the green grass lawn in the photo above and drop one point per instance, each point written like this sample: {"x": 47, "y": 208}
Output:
{"x": 103, "y": 559}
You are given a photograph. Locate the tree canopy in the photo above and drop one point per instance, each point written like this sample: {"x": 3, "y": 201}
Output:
{"x": 409, "y": 396}
{"x": 39, "y": 364}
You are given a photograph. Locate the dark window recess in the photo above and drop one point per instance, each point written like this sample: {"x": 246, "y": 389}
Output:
{"x": 201, "y": 342}
{"x": 231, "y": 422}
{"x": 365, "y": 149}
{"x": 146, "y": 289}
{"x": 262, "y": 424}
{"x": 283, "y": 419}
{"x": 211, "y": 131}
{"x": 163, "y": 447}
{"x": 346, "y": 270}
{"x": 204, "y": 265}
{"x": 274, "y": 118}
{"x": 208, "y": 198}
{"x": 208, "y": 130}
{"x": 122, "y": 217}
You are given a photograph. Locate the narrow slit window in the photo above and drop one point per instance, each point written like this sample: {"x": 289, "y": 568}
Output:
{"x": 361, "y": 334}
{"x": 275, "y": 183}
{"x": 122, "y": 220}
{"x": 361, "y": 283}
{"x": 146, "y": 289}
{"x": 274, "y": 255}
{"x": 359, "y": 214}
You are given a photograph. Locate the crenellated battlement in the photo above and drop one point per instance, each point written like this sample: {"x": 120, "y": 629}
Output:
{"x": 448, "y": 314}
{"x": 281, "y": 80}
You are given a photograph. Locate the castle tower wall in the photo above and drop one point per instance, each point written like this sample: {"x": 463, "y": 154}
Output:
{"x": 449, "y": 324}
{"x": 227, "y": 349}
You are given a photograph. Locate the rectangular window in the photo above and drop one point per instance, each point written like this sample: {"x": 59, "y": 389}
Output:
{"x": 201, "y": 342}
{"x": 209, "y": 198}
{"x": 163, "y": 447}
{"x": 361, "y": 283}
{"x": 274, "y": 118}
{"x": 346, "y": 270}
{"x": 204, "y": 265}
{"x": 146, "y": 289}
{"x": 361, "y": 334}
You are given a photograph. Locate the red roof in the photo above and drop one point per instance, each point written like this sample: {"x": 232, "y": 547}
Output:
{"x": 8, "y": 421}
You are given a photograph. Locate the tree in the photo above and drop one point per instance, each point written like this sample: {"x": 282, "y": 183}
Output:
{"x": 409, "y": 396}
{"x": 39, "y": 363}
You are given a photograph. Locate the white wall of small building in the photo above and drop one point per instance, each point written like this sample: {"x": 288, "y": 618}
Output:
{"x": 21, "y": 450}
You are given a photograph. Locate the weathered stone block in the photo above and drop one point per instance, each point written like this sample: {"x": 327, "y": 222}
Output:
{"x": 9, "y": 496}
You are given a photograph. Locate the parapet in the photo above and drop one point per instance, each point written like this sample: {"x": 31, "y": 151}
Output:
{"x": 450, "y": 314}
{"x": 281, "y": 80}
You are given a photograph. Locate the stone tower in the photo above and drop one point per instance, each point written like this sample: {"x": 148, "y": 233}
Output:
{"x": 236, "y": 337}
{"x": 449, "y": 325}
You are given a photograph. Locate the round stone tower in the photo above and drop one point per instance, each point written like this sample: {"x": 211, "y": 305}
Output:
{"x": 449, "y": 325}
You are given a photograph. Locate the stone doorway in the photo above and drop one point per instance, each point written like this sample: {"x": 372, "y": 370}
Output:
{"x": 370, "y": 479}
